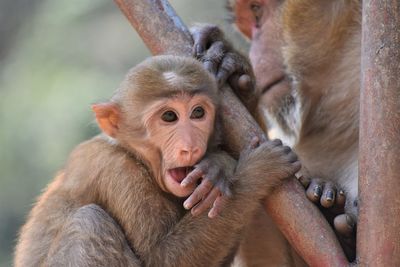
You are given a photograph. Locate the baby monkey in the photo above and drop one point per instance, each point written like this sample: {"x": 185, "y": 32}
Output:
{"x": 119, "y": 200}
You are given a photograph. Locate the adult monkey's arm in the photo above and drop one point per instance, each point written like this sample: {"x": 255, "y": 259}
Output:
{"x": 299, "y": 220}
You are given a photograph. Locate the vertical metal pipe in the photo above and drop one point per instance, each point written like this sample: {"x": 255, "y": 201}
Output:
{"x": 298, "y": 219}
{"x": 378, "y": 240}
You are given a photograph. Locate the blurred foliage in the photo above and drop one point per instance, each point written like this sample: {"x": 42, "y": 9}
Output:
{"x": 57, "y": 58}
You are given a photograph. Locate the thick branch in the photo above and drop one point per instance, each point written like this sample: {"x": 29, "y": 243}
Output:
{"x": 299, "y": 220}
{"x": 378, "y": 242}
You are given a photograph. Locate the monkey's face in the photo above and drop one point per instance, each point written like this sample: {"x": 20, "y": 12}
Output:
{"x": 164, "y": 113}
{"x": 179, "y": 128}
{"x": 261, "y": 22}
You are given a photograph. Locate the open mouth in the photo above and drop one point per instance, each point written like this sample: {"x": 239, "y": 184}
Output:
{"x": 179, "y": 173}
{"x": 272, "y": 84}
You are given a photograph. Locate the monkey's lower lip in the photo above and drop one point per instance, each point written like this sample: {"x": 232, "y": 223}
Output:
{"x": 178, "y": 174}
{"x": 273, "y": 83}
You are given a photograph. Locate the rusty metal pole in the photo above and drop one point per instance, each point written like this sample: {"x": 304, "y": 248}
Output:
{"x": 299, "y": 220}
{"x": 379, "y": 161}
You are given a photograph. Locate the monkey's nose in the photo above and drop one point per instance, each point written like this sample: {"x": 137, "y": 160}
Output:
{"x": 190, "y": 153}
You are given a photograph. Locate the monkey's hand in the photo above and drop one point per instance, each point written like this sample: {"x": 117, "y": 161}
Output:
{"x": 270, "y": 162}
{"x": 214, "y": 173}
{"x": 324, "y": 193}
{"x": 331, "y": 201}
{"x": 226, "y": 63}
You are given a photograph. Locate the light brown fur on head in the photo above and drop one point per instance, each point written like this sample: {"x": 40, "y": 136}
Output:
{"x": 155, "y": 80}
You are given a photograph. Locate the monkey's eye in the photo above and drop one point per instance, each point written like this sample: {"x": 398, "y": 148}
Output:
{"x": 257, "y": 11}
{"x": 197, "y": 113}
{"x": 169, "y": 116}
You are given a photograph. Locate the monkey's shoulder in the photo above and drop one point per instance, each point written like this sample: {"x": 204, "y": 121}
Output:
{"x": 101, "y": 150}
{"x": 99, "y": 157}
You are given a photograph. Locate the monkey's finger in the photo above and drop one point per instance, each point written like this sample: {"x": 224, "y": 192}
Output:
{"x": 192, "y": 177}
{"x": 304, "y": 181}
{"x": 345, "y": 225}
{"x": 340, "y": 199}
{"x": 281, "y": 149}
{"x": 246, "y": 84}
{"x": 292, "y": 157}
{"x": 198, "y": 194}
{"x": 242, "y": 84}
{"x": 253, "y": 144}
{"x": 199, "y": 48}
{"x": 213, "y": 57}
{"x": 242, "y": 80}
{"x": 213, "y": 174}
{"x": 235, "y": 69}
{"x": 328, "y": 195}
{"x": 206, "y": 203}
{"x": 296, "y": 165}
{"x": 217, "y": 207}
{"x": 203, "y": 36}
{"x": 276, "y": 142}
{"x": 286, "y": 149}
{"x": 200, "y": 40}
{"x": 314, "y": 191}
{"x": 224, "y": 185}
{"x": 226, "y": 69}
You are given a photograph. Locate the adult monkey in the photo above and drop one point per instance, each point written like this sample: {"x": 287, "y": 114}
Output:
{"x": 314, "y": 46}
{"x": 119, "y": 201}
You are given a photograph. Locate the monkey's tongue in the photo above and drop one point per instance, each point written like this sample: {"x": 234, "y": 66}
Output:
{"x": 178, "y": 174}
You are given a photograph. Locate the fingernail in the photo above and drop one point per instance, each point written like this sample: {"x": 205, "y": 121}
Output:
{"x": 317, "y": 191}
{"x": 186, "y": 205}
{"x": 198, "y": 50}
{"x": 184, "y": 183}
{"x": 211, "y": 214}
{"x": 244, "y": 82}
{"x": 329, "y": 196}
{"x": 341, "y": 192}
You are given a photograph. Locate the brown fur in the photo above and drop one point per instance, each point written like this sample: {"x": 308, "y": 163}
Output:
{"x": 110, "y": 207}
{"x": 325, "y": 64}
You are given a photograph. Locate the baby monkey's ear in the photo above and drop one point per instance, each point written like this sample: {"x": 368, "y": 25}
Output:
{"x": 107, "y": 116}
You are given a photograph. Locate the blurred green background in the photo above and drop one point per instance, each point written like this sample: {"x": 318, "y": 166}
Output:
{"x": 58, "y": 57}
